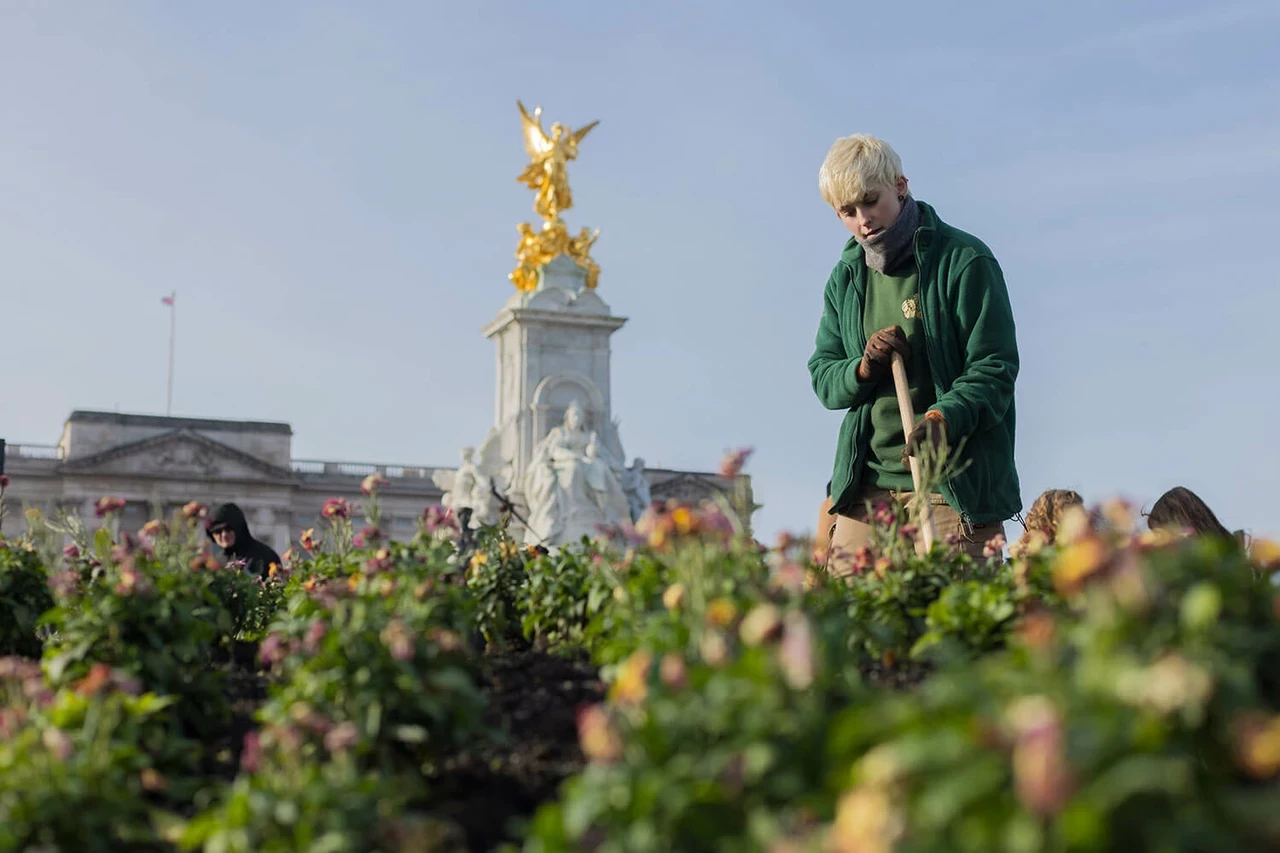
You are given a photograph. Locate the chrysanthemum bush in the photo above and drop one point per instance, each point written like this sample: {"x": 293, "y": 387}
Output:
{"x": 89, "y": 767}
{"x": 378, "y": 663}
{"x": 1121, "y": 691}
{"x": 374, "y": 680}
{"x": 1113, "y": 690}
{"x": 155, "y": 604}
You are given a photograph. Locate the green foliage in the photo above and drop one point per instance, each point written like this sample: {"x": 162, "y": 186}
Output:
{"x": 308, "y": 805}
{"x": 85, "y": 769}
{"x": 157, "y": 621}
{"x": 24, "y": 597}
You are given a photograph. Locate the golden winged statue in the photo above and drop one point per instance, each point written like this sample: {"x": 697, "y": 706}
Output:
{"x": 547, "y": 172}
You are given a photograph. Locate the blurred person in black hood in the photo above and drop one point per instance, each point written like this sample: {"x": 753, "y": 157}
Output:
{"x": 230, "y": 532}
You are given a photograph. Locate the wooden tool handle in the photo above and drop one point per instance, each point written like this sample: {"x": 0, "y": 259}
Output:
{"x": 924, "y": 511}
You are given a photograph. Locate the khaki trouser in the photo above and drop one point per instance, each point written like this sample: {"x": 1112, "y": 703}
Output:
{"x": 848, "y": 533}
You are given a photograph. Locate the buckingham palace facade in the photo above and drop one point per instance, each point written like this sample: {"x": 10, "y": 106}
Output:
{"x": 158, "y": 464}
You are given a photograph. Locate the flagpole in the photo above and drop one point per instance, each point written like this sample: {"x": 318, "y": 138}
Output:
{"x": 173, "y": 312}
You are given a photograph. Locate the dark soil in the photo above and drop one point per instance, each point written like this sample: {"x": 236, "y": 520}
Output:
{"x": 533, "y": 697}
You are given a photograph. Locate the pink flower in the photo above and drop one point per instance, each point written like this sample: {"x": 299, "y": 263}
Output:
{"x": 367, "y": 536}
{"x": 126, "y": 683}
{"x": 1041, "y": 776}
{"x": 251, "y": 754}
{"x": 124, "y": 549}
{"x": 672, "y": 672}
{"x": 732, "y": 463}
{"x": 336, "y": 508}
{"x": 437, "y": 517}
{"x": 909, "y": 531}
{"x": 58, "y": 742}
{"x": 372, "y": 483}
{"x": 884, "y": 515}
{"x": 194, "y": 510}
{"x": 273, "y": 650}
{"x": 342, "y": 737}
{"x": 315, "y": 634}
{"x": 379, "y": 562}
{"x": 131, "y": 582}
{"x": 398, "y": 640}
{"x": 795, "y": 653}
{"x": 71, "y": 552}
{"x": 4, "y": 481}
{"x": 64, "y": 584}
{"x": 994, "y": 547}
{"x": 107, "y": 506}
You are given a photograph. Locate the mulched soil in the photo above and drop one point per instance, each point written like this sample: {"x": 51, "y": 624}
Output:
{"x": 533, "y": 697}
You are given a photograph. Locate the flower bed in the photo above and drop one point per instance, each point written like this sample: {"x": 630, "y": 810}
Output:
{"x": 700, "y": 692}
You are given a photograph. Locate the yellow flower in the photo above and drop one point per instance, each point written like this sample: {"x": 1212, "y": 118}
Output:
{"x": 508, "y": 550}
{"x": 478, "y": 559}
{"x": 1258, "y": 744}
{"x": 683, "y": 520}
{"x": 353, "y": 581}
{"x": 866, "y": 822}
{"x": 673, "y": 597}
{"x": 1266, "y": 553}
{"x": 721, "y": 612}
{"x": 632, "y": 684}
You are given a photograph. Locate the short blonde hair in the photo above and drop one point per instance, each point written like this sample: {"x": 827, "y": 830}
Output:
{"x": 854, "y": 167}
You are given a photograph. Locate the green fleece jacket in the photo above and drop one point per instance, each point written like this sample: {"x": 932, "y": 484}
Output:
{"x": 973, "y": 359}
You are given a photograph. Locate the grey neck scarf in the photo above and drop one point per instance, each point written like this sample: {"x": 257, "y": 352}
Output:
{"x": 888, "y": 248}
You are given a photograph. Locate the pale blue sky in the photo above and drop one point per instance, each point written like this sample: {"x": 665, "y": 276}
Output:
{"x": 330, "y": 187}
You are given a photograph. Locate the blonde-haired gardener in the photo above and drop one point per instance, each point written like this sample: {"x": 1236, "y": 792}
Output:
{"x": 908, "y": 282}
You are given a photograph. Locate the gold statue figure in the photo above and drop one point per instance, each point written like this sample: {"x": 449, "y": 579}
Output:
{"x": 547, "y": 173}
{"x": 547, "y": 176}
{"x": 580, "y": 250}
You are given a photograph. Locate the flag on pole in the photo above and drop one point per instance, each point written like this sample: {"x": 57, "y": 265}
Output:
{"x": 167, "y": 300}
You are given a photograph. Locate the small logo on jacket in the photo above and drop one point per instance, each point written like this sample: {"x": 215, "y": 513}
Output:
{"x": 911, "y": 308}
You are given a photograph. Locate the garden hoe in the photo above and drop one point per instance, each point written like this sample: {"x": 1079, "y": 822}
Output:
{"x": 924, "y": 510}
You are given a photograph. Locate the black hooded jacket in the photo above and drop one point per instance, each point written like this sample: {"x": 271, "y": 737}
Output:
{"x": 256, "y": 555}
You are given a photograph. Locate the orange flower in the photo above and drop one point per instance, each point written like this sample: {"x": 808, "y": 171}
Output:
{"x": 1078, "y": 562}
{"x": 152, "y": 780}
{"x": 1266, "y": 553}
{"x": 99, "y": 675}
{"x": 599, "y": 740}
